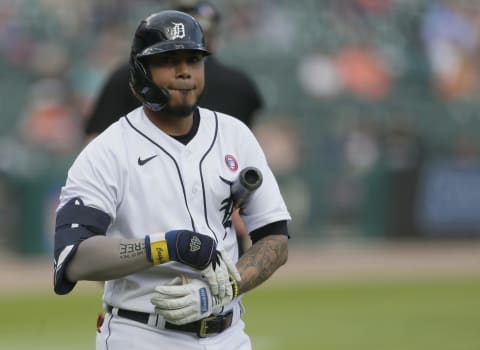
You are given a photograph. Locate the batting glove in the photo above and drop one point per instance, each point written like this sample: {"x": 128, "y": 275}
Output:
{"x": 183, "y": 301}
{"x": 219, "y": 275}
{"x": 188, "y": 247}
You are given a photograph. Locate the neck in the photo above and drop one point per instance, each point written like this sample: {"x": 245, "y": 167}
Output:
{"x": 171, "y": 125}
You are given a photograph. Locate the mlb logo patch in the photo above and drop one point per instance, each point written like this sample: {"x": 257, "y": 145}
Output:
{"x": 231, "y": 162}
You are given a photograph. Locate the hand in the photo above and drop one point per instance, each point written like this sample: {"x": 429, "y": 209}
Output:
{"x": 183, "y": 301}
{"x": 219, "y": 273}
{"x": 188, "y": 247}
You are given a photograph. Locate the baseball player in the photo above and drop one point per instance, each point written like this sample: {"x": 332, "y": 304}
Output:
{"x": 147, "y": 207}
{"x": 229, "y": 90}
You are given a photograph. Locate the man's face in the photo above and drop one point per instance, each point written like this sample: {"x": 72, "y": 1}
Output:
{"x": 181, "y": 72}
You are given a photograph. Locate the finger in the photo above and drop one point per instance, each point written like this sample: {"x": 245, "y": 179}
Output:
{"x": 171, "y": 304}
{"x": 173, "y": 291}
{"x": 211, "y": 278}
{"x": 189, "y": 318}
{"x": 232, "y": 269}
{"x": 229, "y": 290}
{"x": 222, "y": 279}
{"x": 182, "y": 316}
{"x": 177, "y": 281}
{"x": 175, "y": 315}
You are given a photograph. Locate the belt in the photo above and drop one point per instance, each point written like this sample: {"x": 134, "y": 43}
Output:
{"x": 206, "y": 327}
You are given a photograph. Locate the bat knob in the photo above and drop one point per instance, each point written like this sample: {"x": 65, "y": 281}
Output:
{"x": 251, "y": 178}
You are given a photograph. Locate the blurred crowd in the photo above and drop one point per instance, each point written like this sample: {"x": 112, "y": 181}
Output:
{"x": 370, "y": 119}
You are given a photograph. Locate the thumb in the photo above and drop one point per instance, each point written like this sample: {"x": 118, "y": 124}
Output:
{"x": 173, "y": 288}
{"x": 178, "y": 281}
{"x": 232, "y": 269}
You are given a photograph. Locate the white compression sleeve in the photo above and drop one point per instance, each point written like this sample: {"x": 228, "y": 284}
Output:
{"x": 101, "y": 258}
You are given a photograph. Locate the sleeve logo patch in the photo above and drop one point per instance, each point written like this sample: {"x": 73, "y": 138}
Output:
{"x": 231, "y": 162}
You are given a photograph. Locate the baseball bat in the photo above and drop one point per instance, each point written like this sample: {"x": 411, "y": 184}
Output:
{"x": 249, "y": 179}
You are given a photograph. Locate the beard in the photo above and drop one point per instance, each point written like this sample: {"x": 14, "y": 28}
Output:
{"x": 181, "y": 111}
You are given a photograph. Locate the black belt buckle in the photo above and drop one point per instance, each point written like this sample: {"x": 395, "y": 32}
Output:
{"x": 219, "y": 323}
{"x": 203, "y": 331}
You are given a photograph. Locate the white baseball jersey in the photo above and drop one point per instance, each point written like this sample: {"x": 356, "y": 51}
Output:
{"x": 147, "y": 182}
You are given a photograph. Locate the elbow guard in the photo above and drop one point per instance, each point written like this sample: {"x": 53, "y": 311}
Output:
{"x": 75, "y": 223}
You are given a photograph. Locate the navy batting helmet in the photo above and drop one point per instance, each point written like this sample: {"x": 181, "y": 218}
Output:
{"x": 161, "y": 32}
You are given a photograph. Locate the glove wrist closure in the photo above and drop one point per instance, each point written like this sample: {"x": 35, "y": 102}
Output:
{"x": 156, "y": 248}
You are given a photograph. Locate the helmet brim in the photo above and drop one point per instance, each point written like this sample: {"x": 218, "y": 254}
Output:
{"x": 172, "y": 46}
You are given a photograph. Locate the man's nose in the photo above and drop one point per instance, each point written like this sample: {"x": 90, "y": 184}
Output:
{"x": 183, "y": 69}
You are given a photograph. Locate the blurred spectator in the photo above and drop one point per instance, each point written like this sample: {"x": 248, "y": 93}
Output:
{"x": 281, "y": 141}
{"x": 451, "y": 32}
{"x": 449, "y": 192}
{"x": 363, "y": 72}
{"x": 373, "y": 6}
{"x": 49, "y": 123}
{"x": 88, "y": 75}
{"x": 360, "y": 153}
{"x": 8, "y": 211}
{"x": 465, "y": 151}
{"x": 263, "y": 23}
{"x": 404, "y": 155}
{"x": 319, "y": 76}
{"x": 359, "y": 71}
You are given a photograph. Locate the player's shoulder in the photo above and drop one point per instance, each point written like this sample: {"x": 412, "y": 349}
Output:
{"x": 113, "y": 138}
{"x": 227, "y": 127}
{"x": 224, "y": 120}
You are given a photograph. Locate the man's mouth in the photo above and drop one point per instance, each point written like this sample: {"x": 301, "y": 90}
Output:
{"x": 182, "y": 87}
{"x": 182, "y": 91}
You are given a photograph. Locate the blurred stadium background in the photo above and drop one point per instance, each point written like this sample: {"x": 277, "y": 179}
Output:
{"x": 370, "y": 124}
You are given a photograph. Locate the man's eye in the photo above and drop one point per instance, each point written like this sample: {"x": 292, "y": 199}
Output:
{"x": 168, "y": 60}
{"x": 171, "y": 60}
{"x": 194, "y": 59}
{"x": 162, "y": 61}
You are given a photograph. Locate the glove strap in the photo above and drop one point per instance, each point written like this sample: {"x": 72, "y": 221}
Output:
{"x": 156, "y": 248}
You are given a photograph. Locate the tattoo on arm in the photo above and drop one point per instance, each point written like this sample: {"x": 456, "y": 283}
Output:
{"x": 130, "y": 250}
{"x": 261, "y": 261}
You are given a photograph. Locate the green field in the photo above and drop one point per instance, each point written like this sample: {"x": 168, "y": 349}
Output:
{"x": 429, "y": 315}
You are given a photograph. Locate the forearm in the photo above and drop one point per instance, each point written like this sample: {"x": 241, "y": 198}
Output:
{"x": 101, "y": 258}
{"x": 261, "y": 260}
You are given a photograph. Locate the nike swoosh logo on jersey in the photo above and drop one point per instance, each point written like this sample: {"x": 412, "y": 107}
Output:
{"x": 145, "y": 161}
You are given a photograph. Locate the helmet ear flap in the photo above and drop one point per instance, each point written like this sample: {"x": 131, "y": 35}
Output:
{"x": 140, "y": 66}
{"x": 152, "y": 96}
